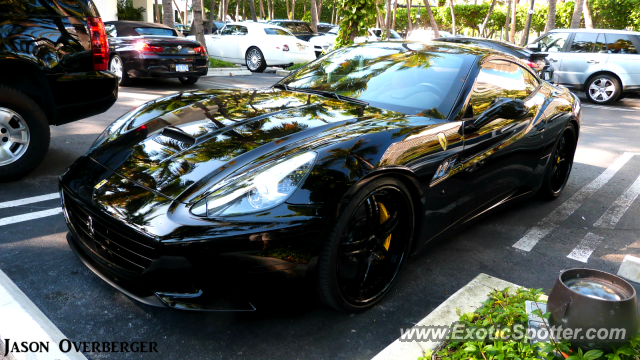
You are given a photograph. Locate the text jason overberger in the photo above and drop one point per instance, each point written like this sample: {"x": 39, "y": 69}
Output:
{"x": 67, "y": 345}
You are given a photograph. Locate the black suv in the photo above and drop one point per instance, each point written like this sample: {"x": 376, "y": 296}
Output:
{"x": 54, "y": 58}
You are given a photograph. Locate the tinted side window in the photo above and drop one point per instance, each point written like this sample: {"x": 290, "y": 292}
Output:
{"x": 499, "y": 79}
{"x": 583, "y": 42}
{"x": 78, "y": 8}
{"x": 554, "y": 42}
{"x": 620, "y": 44}
{"x": 111, "y": 30}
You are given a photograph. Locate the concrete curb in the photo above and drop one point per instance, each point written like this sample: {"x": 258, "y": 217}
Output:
{"x": 21, "y": 320}
{"x": 630, "y": 269}
{"x": 467, "y": 299}
{"x": 228, "y": 72}
{"x": 283, "y": 72}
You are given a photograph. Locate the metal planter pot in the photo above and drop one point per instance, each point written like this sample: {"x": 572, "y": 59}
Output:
{"x": 588, "y": 299}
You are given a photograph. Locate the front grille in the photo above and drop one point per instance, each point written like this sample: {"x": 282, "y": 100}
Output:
{"x": 119, "y": 248}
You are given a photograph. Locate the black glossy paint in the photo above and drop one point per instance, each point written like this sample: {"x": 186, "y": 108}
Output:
{"x": 176, "y": 50}
{"x": 45, "y": 53}
{"x": 147, "y": 243}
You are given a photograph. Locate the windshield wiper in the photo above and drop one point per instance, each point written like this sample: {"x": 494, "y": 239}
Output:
{"x": 280, "y": 86}
{"x": 328, "y": 94}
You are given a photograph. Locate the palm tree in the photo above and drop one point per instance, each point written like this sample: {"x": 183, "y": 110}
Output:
{"x": 167, "y": 13}
{"x": 486, "y": 19}
{"x": 197, "y": 21}
{"x": 512, "y": 32}
{"x": 395, "y": 11}
{"x": 551, "y": 17}
{"x": 252, "y": 7}
{"x": 388, "y": 21}
{"x": 588, "y": 19}
{"x": 432, "y": 20}
{"x": 577, "y": 15}
{"x": 453, "y": 19}
{"x": 157, "y": 18}
{"x": 506, "y": 23}
{"x": 314, "y": 16}
{"x": 410, "y": 24}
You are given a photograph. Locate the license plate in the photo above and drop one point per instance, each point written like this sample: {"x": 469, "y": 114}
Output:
{"x": 182, "y": 67}
{"x": 546, "y": 75}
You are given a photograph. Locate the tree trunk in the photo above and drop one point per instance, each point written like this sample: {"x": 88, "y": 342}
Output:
{"x": 588, "y": 18}
{"x": 527, "y": 26}
{"x": 319, "y": 12}
{"x": 395, "y": 11}
{"x": 388, "y": 20}
{"x": 269, "y": 9}
{"x": 577, "y": 15}
{"x": 551, "y": 17}
{"x": 179, "y": 14}
{"x": 378, "y": 19}
{"x": 293, "y": 9}
{"x": 157, "y": 18}
{"x": 238, "y": 10}
{"x": 197, "y": 21}
{"x": 167, "y": 13}
{"x": 512, "y": 32}
{"x": 486, "y": 19}
{"x": 209, "y": 28}
{"x": 288, "y": 12}
{"x": 244, "y": 9}
{"x": 226, "y": 10}
{"x": 409, "y": 22}
{"x": 432, "y": 20}
{"x": 314, "y": 16}
{"x": 453, "y": 19}
{"x": 506, "y": 23}
{"x": 262, "y": 15}
{"x": 252, "y": 7}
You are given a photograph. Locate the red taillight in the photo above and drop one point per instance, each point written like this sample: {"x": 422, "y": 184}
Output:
{"x": 200, "y": 50}
{"x": 145, "y": 48}
{"x": 99, "y": 43}
{"x": 285, "y": 48}
{"x": 531, "y": 64}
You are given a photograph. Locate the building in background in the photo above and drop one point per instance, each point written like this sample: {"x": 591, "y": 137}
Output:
{"x": 109, "y": 8}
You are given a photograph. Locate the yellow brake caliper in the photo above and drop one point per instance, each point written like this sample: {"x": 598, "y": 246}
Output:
{"x": 384, "y": 216}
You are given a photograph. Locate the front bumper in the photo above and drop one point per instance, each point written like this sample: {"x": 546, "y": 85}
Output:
{"x": 156, "y": 66}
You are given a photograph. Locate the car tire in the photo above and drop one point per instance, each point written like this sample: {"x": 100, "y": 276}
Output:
{"x": 116, "y": 66}
{"x": 559, "y": 164}
{"x": 255, "y": 60}
{"x": 24, "y": 134}
{"x": 188, "y": 80}
{"x": 341, "y": 281}
{"x": 603, "y": 89}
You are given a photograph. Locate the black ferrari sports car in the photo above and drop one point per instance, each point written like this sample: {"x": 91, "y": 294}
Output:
{"x": 334, "y": 176}
{"x": 146, "y": 50}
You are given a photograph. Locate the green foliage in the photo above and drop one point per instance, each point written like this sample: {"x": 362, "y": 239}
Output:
{"x": 307, "y": 17}
{"x": 126, "y": 11}
{"x": 217, "y": 63}
{"x": 357, "y": 17}
{"x": 295, "y": 66}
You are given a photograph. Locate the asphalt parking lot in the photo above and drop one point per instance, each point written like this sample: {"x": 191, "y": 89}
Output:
{"x": 593, "y": 224}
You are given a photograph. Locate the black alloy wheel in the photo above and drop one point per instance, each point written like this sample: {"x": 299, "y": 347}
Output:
{"x": 560, "y": 164}
{"x": 188, "y": 80}
{"x": 368, "y": 246}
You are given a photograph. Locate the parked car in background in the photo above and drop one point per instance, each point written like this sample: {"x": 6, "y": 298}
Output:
{"x": 147, "y": 50}
{"x": 426, "y": 35}
{"x": 375, "y": 34}
{"x": 257, "y": 45}
{"x": 324, "y": 28}
{"x": 300, "y": 29}
{"x": 537, "y": 61}
{"x": 53, "y": 70}
{"x": 324, "y": 42}
{"x": 183, "y": 29}
{"x": 330, "y": 180}
{"x": 605, "y": 64}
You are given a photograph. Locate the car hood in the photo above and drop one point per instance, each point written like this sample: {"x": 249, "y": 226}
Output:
{"x": 184, "y": 141}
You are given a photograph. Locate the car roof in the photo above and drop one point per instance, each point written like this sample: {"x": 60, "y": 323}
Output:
{"x": 505, "y": 46}
{"x": 608, "y": 31}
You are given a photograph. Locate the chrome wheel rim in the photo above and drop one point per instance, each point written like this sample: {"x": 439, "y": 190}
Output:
{"x": 14, "y": 136}
{"x": 373, "y": 247}
{"x": 116, "y": 67}
{"x": 601, "y": 89}
{"x": 254, "y": 60}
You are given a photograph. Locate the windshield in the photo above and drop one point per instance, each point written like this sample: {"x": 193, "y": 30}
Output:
{"x": 412, "y": 78}
{"x": 276, "y": 31}
{"x": 298, "y": 27}
{"x": 155, "y": 31}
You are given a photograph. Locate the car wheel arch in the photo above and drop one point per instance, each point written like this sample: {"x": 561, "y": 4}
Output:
{"x": 35, "y": 86}
{"x": 603, "y": 72}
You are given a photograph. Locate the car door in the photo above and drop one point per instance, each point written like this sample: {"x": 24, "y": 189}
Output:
{"x": 502, "y": 147}
{"x": 624, "y": 59}
{"x": 584, "y": 57}
{"x": 553, "y": 45}
{"x": 228, "y": 44}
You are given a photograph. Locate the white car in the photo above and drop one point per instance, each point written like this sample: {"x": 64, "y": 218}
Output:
{"x": 374, "y": 35}
{"x": 426, "y": 35}
{"x": 325, "y": 41}
{"x": 258, "y": 45}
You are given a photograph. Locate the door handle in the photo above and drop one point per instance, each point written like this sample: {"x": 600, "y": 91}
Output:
{"x": 552, "y": 60}
{"x": 593, "y": 61}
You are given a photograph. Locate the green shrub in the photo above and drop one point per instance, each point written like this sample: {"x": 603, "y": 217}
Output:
{"x": 126, "y": 11}
{"x": 217, "y": 63}
{"x": 295, "y": 66}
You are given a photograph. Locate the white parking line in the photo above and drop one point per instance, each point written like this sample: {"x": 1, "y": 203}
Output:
{"x": 30, "y": 216}
{"x": 585, "y": 248}
{"x": 613, "y": 214}
{"x": 553, "y": 220}
{"x": 608, "y": 108}
{"x": 30, "y": 200}
{"x": 140, "y": 96}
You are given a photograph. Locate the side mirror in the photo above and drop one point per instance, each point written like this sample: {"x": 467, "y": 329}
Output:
{"x": 533, "y": 47}
{"x": 500, "y": 108}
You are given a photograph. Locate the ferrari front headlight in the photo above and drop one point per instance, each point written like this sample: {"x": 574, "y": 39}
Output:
{"x": 256, "y": 190}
